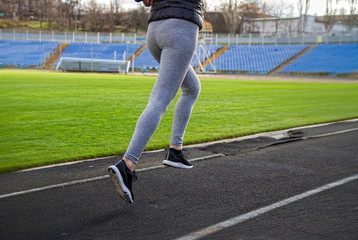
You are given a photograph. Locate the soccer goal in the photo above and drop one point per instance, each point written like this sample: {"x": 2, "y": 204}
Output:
{"x": 92, "y": 65}
{"x": 202, "y": 58}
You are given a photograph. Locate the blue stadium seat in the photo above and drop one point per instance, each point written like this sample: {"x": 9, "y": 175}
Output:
{"x": 259, "y": 59}
{"x": 25, "y": 53}
{"x": 146, "y": 60}
{"x": 327, "y": 58}
{"x": 204, "y": 51}
{"x": 108, "y": 51}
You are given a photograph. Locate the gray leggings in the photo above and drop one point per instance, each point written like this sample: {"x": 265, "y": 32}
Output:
{"x": 172, "y": 42}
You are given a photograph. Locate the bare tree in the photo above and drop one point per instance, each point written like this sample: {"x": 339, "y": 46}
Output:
{"x": 265, "y": 9}
{"x": 276, "y": 9}
{"x": 20, "y": 9}
{"x": 116, "y": 5}
{"x": 329, "y": 19}
{"x": 235, "y": 11}
{"x": 92, "y": 16}
{"x": 230, "y": 11}
{"x": 98, "y": 18}
{"x": 7, "y": 7}
{"x": 44, "y": 11}
{"x": 303, "y": 7}
{"x": 135, "y": 19}
{"x": 350, "y": 19}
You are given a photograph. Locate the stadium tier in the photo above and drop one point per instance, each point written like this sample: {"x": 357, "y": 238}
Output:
{"x": 25, "y": 53}
{"x": 108, "y": 51}
{"x": 330, "y": 59}
{"x": 327, "y": 58}
{"x": 203, "y": 52}
{"x": 256, "y": 59}
{"x": 146, "y": 60}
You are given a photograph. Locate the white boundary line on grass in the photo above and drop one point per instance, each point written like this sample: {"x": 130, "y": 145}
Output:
{"x": 76, "y": 182}
{"x": 255, "y": 213}
{"x": 274, "y": 134}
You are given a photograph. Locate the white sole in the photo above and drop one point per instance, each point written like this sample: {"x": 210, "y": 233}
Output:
{"x": 121, "y": 188}
{"x": 176, "y": 165}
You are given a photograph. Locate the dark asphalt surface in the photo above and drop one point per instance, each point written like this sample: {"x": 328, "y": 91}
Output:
{"x": 170, "y": 203}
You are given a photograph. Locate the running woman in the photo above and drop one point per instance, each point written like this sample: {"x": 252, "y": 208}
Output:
{"x": 171, "y": 38}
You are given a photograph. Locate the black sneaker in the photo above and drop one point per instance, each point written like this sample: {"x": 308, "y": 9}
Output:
{"x": 122, "y": 178}
{"x": 176, "y": 158}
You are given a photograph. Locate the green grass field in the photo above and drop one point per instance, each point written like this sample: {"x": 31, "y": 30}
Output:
{"x": 49, "y": 117}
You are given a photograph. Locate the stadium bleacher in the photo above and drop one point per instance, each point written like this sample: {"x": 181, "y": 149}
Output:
{"x": 327, "y": 58}
{"x": 25, "y": 53}
{"x": 204, "y": 51}
{"x": 146, "y": 60}
{"x": 258, "y": 59}
{"x": 330, "y": 59}
{"x": 108, "y": 51}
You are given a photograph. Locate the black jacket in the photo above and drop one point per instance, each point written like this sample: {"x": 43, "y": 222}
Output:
{"x": 191, "y": 10}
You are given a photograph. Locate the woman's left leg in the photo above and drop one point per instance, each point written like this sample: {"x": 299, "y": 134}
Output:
{"x": 190, "y": 92}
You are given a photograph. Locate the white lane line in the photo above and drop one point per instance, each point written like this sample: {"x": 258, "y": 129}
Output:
{"x": 139, "y": 170}
{"x": 53, "y": 186}
{"x": 67, "y": 184}
{"x": 331, "y": 134}
{"x": 245, "y": 217}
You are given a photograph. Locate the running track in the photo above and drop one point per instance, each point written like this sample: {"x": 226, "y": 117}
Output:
{"x": 282, "y": 185}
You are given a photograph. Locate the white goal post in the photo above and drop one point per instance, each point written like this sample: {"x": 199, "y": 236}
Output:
{"x": 92, "y": 65}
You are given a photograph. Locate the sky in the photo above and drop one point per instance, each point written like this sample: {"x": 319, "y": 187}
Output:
{"x": 317, "y": 7}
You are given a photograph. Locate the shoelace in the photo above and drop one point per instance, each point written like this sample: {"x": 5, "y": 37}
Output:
{"x": 184, "y": 153}
{"x": 134, "y": 175}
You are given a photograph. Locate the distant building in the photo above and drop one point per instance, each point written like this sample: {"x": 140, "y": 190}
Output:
{"x": 291, "y": 27}
{"x": 206, "y": 33}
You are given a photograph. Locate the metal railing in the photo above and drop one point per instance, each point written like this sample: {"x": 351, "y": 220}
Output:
{"x": 223, "y": 39}
{"x": 68, "y": 37}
